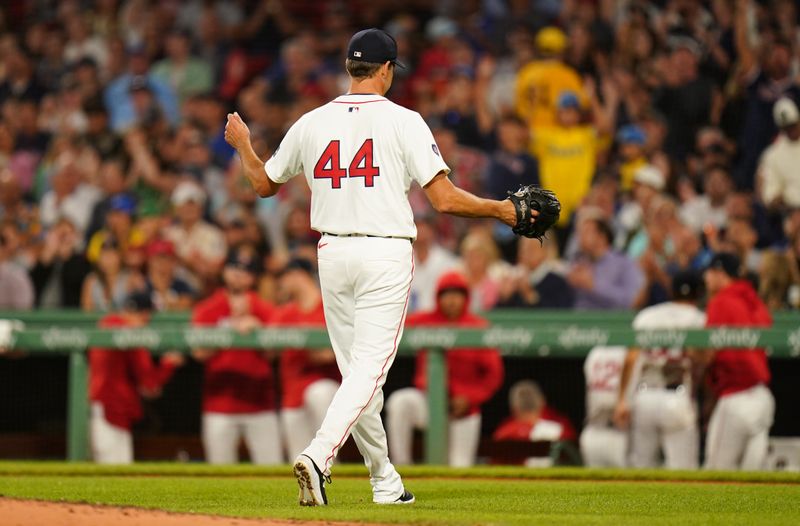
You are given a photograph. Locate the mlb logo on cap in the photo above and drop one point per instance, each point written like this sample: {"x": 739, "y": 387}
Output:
{"x": 373, "y": 45}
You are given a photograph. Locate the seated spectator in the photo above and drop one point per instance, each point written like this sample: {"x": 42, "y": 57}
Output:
{"x": 69, "y": 197}
{"x": 119, "y": 227}
{"x": 532, "y": 420}
{"x": 479, "y": 254}
{"x": 742, "y": 238}
{"x": 690, "y": 254}
{"x": 536, "y": 281}
{"x": 473, "y": 376}
{"x": 709, "y": 208}
{"x": 113, "y": 181}
{"x": 13, "y": 206}
{"x": 775, "y": 281}
{"x": 777, "y": 170}
{"x": 602, "y": 278}
{"x": 167, "y": 291}
{"x": 106, "y": 287}
{"x": 200, "y": 246}
{"x": 186, "y": 74}
{"x": 309, "y": 377}
{"x": 238, "y": 397}
{"x": 60, "y": 269}
{"x": 431, "y": 260}
{"x": 648, "y": 183}
{"x": 631, "y": 141}
{"x": 510, "y": 166}
{"x": 16, "y": 289}
{"x": 117, "y": 379}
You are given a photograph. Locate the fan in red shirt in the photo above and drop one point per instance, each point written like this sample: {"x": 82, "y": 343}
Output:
{"x": 473, "y": 377}
{"x": 238, "y": 389}
{"x": 738, "y": 431}
{"x": 309, "y": 378}
{"x": 116, "y": 381}
{"x": 532, "y": 420}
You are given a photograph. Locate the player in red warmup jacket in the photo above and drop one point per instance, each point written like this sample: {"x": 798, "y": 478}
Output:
{"x": 532, "y": 420}
{"x": 738, "y": 431}
{"x": 309, "y": 378}
{"x": 238, "y": 389}
{"x": 117, "y": 379}
{"x": 473, "y": 376}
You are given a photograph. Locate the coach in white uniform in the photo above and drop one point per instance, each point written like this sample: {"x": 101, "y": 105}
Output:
{"x": 663, "y": 413}
{"x": 360, "y": 153}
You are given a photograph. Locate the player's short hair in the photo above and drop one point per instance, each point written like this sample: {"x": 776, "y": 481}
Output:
{"x": 361, "y": 70}
{"x": 526, "y": 395}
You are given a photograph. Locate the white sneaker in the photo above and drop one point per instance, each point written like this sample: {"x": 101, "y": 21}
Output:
{"x": 311, "y": 482}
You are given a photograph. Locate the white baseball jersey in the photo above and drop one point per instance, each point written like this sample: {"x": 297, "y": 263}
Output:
{"x": 661, "y": 367}
{"x": 603, "y": 371}
{"x": 359, "y": 154}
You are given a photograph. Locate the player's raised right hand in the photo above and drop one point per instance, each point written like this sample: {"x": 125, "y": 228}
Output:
{"x": 237, "y": 134}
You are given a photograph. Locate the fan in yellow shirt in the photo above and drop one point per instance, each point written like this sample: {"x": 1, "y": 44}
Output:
{"x": 540, "y": 81}
{"x": 567, "y": 152}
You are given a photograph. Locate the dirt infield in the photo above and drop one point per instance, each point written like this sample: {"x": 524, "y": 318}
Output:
{"x": 15, "y": 512}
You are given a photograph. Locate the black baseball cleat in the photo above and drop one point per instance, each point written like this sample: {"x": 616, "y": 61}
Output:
{"x": 406, "y": 498}
{"x": 311, "y": 482}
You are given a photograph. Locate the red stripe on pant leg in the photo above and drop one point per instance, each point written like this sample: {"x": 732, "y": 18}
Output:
{"x": 383, "y": 369}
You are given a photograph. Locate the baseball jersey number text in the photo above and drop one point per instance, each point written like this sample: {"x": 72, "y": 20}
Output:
{"x": 329, "y": 165}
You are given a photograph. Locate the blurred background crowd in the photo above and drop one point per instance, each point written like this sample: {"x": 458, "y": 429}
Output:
{"x": 656, "y": 123}
{"x": 669, "y": 130}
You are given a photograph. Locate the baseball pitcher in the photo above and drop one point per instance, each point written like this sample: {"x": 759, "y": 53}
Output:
{"x": 359, "y": 154}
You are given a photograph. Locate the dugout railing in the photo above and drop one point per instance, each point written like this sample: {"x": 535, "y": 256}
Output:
{"x": 515, "y": 333}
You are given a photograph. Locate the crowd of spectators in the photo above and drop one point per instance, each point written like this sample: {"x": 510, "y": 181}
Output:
{"x": 669, "y": 130}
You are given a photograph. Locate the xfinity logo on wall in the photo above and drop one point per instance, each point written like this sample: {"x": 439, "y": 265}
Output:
{"x": 430, "y": 338}
{"x": 506, "y": 338}
{"x": 665, "y": 338}
{"x": 794, "y": 342}
{"x": 574, "y": 336}
{"x": 282, "y": 338}
{"x": 56, "y": 338}
{"x": 134, "y": 338}
{"x": 214, "y": 338}
{"x": 734, "y": 338}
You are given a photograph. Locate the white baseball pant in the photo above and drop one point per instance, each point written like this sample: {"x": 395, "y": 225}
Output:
{"x": 365, "y": 285}
{"x": 604, "y": 446}
{"x": 222, "y": 433}
{"x": 664, "y": 420}
{"x": 299, "y": 423}
{"x": 407, "y": 410}
{"x": 110, "y": 444}
{"x": 738, "y": 433}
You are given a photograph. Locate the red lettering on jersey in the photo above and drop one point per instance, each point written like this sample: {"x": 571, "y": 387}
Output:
{"x": 368, "y": 171}
{"x": 335, "y": 173}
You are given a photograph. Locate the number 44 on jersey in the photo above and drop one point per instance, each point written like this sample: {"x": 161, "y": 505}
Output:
{"x": 329, "y": 165}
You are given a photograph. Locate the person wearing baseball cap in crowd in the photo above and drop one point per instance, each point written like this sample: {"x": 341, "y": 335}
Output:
{"x": 167, "y": 290}
{"x": 738, "y": 431}
{"x": 119, "y": 226}
{"x": 648, "y": 183}
{"x": 567, "y": 152}
{"x": 631, "y": 141}
{"x": 309, "y": 377}
{"x": 541, "y": 81}
{"x": 239, "y": 385}
{"x": 199, "y": 245}
{"x": 778, "y": 169}
{"x": 118, "y": 378}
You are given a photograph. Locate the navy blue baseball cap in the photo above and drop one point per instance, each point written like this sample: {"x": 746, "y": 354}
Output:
{"x": 373, "y": 45}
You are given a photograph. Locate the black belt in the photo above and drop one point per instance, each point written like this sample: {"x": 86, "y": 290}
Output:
{"x": 410, "y": 240}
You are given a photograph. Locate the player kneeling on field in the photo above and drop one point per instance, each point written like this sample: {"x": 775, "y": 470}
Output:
{"x": 663, "y": 413}
{"x": 238, "y": 397}
{"x": 473, "y": 376}
{"x": 117, "y": 378}
{"x": 532, "y": 420}
{"x": 309, "y": 378}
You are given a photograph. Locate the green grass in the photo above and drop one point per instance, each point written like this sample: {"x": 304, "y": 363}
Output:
{"x": 510, "y": 496}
